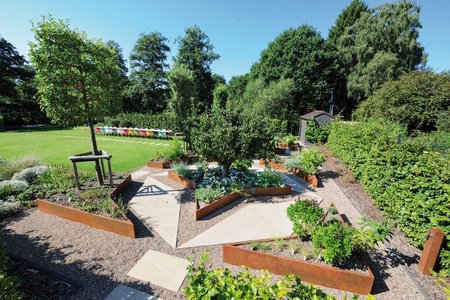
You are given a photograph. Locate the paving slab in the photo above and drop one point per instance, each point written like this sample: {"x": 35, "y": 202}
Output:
{"x": 138, "y": 174}
{"x": 158, "y": 207}
{"x": 123, "y": 292}
{"x": 305, "y": 193}
{"x": 161, "y": 269}
{"x": 254, "y": 221}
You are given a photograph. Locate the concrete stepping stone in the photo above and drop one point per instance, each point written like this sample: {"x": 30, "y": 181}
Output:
{"x": 252, "y": 222}
{"x": 161, "y": 269}
{"x": 158, "y": 207}
{"x": 123, "y": 292}
{"x": 138, "y": 174}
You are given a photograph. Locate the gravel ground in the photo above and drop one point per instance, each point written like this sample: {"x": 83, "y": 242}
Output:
{"x": 100, "y": 260}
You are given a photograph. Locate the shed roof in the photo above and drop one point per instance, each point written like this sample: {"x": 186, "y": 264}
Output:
{"x": 315, "y": 113}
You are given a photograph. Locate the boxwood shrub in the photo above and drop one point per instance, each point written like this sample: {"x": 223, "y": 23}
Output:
{"x": 408, "y": 179}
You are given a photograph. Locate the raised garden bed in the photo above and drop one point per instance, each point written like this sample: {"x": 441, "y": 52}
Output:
{"x": 273, "y": 165}
{"x": 158, "y": 164}
{"x": 360, "y": 282}
{"x": 182, "y": 180}
{"x": 311, "y": 179}
{"x": 121, "y": 226}
{"x": 208, "y": 209}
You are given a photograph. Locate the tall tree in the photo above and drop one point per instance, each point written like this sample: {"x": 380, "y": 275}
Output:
{"x": 302, "y": 55}
{"x": 381, "y": 46}
{"x": 12, "y": 70}
{"x": 196, "y": 52}
{"x": 148, "y": 90}
{"x": 346, "y": 19}
{"x": 181, "y": 82}
{"x": 415, "y": 100}
{"x": 77, "y": 76}
{"x": 237, "y": 86}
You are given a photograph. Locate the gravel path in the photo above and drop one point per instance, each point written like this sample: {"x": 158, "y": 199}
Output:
{"x": 100, "y": 260}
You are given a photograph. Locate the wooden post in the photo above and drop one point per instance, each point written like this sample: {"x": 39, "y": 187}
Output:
{"x": 75, "y": 172}
{"x": 110, "y": 172}
{"x": 102, "y": 167}
{"x": 431, "y": 251}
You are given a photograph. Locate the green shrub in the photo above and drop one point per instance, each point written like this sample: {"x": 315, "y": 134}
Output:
{"x": 165, "y": 120}
{"x": 175, "y": 152}
{"x": 316, "y": 134}
{"x": 181, "y": 168}
{"x": 370, "y": 233}
{"x": 334, "y": 241}
{"x": 290, "y": 140}
{"x": 223, "y": 284}
{"x": 9, "y": 287}
{"x": 305, "y": 216}
{"x": 408, "y": 178}
{"x": 208, "y": 195}
{"x": 311, "y": 160}
{"x": 60, "y": 179}
{"x": 7, "y": 209}
{"x": 269, "y": 178}
{"x": 30, "y": 175}
{"x": 11, "y": 188}
{"x": 12, "y": 166}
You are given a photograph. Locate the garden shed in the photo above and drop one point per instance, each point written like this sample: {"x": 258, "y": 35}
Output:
{"x": 320, "y": 116}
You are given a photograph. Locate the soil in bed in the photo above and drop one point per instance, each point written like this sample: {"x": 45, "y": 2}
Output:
{"x": 298, "y": 249}
{"x": 88, "y": 197}
{"x": 36, "y": 283}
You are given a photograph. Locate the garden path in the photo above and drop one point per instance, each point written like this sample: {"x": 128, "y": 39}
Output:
{"x": 123, "y": 292}
{"x": 252, "y": 222}
{"x": 158, "y": 206}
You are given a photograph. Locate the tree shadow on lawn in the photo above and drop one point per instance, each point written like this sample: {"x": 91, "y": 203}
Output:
{"x": 82, "y": 272}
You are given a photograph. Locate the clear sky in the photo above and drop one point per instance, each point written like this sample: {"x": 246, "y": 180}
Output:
{"x": 238, "y": 29}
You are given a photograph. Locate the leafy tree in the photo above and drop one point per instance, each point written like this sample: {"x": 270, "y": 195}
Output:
{"x": 275, "y": 100}
{"x": 148, "y": 90}
{"x": 347, "y": 18}
{"x": 236, "y": 86}
{"x": 181, "y": 82}
{"x": 77, "y": 77}
{"x": 196, "y": 52}
{"x": 302, "y": 55}
{"x": 14, "y": 73}
{"x": 381, "y": 46}
{"x": 221, "y": 95}
{"x": 218, "y": 79}
{"x": 414, "y": 100}
{"x": 230, "y": 134}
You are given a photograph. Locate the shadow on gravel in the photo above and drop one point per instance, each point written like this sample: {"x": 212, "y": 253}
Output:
{"x": 383, "y": 260}
{"x": 83, "y": 272}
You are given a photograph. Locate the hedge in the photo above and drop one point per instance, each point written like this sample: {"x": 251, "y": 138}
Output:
{"x": 165, "y": 120}
{"x": 408, "y": 178}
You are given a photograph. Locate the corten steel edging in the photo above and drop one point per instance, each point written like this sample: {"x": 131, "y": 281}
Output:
{"x": 158, "y": 164}
{"x": 273, "y": 165}
{"x": 227, "y": 199}
{"x": 311, "y": 179}
{"x": 431, "y": 250}
{"x": 270, "y": 191}
{"x": 182, "y": 180}
{"x": 125, "y": 228}
{"x": 347, "y": 280}
{"x": 121, "y": 187}
{"x": 202, "y": 212}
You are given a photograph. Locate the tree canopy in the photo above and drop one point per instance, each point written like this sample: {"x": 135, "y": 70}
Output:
{"x": 196, "y": 53}
{"x": 302, "y": 55}
{"x": 381, "y": 46}
{"x": 416, "y": 100}
{"x": 148, "y": 90}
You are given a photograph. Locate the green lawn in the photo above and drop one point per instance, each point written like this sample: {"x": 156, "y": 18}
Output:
{"x": 56, "y": 145}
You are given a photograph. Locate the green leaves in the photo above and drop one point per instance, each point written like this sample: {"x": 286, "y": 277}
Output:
{"x": 408, "y": 179}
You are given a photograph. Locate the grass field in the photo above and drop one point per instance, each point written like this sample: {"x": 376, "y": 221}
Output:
{"x": 56, "y": 145}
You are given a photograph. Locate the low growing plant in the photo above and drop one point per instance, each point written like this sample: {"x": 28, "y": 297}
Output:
{"x": 305, "y": 216}
{"x": 10, "y": 167}
{"x": 30, "y": 175}
{"x": 208, "y": 195}
{"x": 11, "y": 188}
{"x": 181, "y": 168}
{"x": 269, "y": 178}
{"x": 223, "y": 284}
{"x": 311, "y": 160}
{"x": 334, "y": 242}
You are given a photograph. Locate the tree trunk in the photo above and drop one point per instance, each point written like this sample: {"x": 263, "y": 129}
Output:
{"x": 226, "y": 169}
{"x": 95, "y": 152}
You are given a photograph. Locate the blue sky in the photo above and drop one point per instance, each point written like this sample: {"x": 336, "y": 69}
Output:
{"x": 238, "y": 29}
